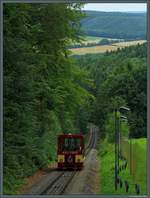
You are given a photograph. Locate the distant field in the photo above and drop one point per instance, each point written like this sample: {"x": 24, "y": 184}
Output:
{"x": 91, "y": 39}
{"x": 129, "y": 43}
{"x": 104, "y": 48}
{"x": 94, "y": 39}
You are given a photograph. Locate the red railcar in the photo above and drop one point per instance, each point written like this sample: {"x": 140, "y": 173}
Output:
{"x": 70, "y": 151}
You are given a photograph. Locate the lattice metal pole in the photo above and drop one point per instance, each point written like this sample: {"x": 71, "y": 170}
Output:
{"x": 130, "y": 156}
{"x": 117, "y": 116}
{"x": 118, "y": 134}
{"x": 115, "y": 149}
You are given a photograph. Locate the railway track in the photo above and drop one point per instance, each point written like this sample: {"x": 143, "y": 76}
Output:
{"x": 92, "y": 141}
{"x": 57, "y": 184}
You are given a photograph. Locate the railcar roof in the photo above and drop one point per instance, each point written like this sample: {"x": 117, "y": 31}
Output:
{"x": 71, "y": 135}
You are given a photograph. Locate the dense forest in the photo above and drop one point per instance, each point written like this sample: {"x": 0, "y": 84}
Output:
{"x": 115, "y": 25}
{"x": 120, "y": 78}
{"x": 43, "y": 89}
{"x": 48, "y": 92}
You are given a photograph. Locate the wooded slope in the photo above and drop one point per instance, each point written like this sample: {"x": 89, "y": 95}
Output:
{"x": 115, "y": 24}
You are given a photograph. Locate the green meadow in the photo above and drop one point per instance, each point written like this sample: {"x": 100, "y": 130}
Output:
{"x": 138, "y": 174}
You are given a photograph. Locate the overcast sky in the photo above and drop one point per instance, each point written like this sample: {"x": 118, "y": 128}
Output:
{"x": 121, "y": 7}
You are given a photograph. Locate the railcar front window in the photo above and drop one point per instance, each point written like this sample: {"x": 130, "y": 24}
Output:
{"x": 71, "y": 144}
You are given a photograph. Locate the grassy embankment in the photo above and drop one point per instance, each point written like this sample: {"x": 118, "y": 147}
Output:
{"x": 138, "y": 167}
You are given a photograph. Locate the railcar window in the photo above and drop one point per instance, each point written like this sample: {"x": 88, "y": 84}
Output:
{"x": 71, "y": 144}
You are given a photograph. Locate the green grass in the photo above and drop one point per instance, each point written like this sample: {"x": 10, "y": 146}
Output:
{"x": 138, "y": 163}
{"x": 97, "y": 39}
{"x": 107, "y": 160}
{"x": 94, "y": 39}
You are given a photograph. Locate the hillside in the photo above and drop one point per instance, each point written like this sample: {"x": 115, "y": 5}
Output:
{"x": 115, "y": 24}
{"x": 120, "y": 78}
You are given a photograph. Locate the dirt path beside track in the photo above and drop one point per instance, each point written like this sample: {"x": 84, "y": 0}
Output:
{"x": 86, "y": 181}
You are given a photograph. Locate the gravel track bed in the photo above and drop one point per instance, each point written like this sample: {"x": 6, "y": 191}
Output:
{"x": 85, "y": 181}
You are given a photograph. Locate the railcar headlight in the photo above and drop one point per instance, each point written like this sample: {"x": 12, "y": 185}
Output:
{"x": 61, "y": 159}
{"x": 79, "y": 159}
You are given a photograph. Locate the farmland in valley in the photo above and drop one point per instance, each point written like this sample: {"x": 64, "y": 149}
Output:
{"x": 104, "y": 48}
